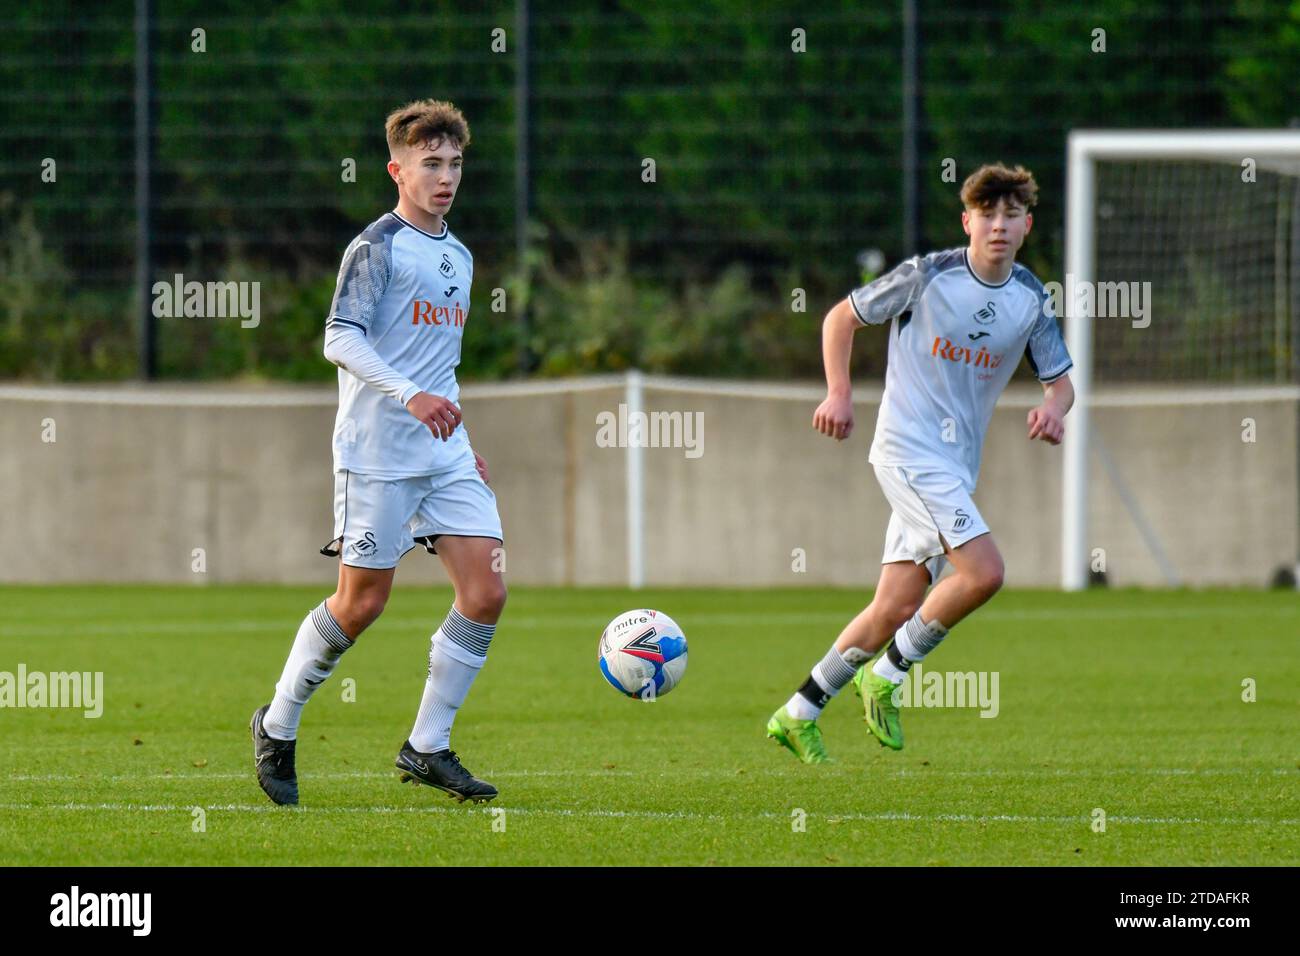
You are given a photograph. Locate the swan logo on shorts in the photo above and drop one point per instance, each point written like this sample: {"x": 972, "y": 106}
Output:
{"x": 365, "y": 545}
{"x": 962, "y": 522}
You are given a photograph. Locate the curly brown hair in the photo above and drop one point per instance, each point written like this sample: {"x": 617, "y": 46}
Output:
{"x": 993, "y": 181}
{"x": 426, "y": 121}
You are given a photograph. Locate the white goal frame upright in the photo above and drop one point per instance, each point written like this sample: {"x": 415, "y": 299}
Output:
{"x": 1084, "y": 149}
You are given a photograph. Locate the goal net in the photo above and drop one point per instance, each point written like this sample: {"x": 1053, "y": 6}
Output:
{"x": 1182, "y": 268}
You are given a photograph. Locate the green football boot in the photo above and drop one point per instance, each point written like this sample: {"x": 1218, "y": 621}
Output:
{"x": 803, "y": 738}
{"x": 877, "y": 695}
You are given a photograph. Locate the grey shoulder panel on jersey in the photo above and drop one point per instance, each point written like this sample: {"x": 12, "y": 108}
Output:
{"x": 363, "y": 276}
{"x": 1044, "y": 306}
{"x": 1045, "y": 350}
{"x": 937, "y": 262}
{"x": 382, "y": 229}
{"x": 1027, "y": 279}
{"x": 897, "y": 291}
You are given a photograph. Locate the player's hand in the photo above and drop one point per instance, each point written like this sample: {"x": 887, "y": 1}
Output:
{"x": 481, "y": 465}
{"x": 834, "y": 417}
{"x": 1046, "y": 423}
{"x": 440, "y": 415}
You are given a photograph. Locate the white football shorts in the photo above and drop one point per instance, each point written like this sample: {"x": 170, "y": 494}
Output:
{"x": 928, "y": 505}
{"x": 377, "y": 520}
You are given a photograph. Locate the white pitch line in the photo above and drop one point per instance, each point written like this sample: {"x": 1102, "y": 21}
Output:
{"x": 593, "y": 623}
{"x": 654, "y": 814}
{"x": 349, "y": 775}
{"x": 751, "y": 773}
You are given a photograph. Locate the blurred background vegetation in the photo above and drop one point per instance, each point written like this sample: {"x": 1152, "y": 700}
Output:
{"x": 774, "y": 169}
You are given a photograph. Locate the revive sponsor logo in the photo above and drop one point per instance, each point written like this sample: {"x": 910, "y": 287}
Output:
{"x": 424, "y": 311}
{"x": 981, "y": 358}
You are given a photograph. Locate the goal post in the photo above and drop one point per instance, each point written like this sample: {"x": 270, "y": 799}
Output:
{"x": 1186, "y": 154}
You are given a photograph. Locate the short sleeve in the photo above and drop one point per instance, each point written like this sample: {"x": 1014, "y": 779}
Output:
{"x": 1045, "y": 351}
{"x": 892, "y": 294}
{"x": 363, "y": 279}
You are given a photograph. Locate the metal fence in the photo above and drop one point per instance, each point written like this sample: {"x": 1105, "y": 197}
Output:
{"x": 777, "y": 138}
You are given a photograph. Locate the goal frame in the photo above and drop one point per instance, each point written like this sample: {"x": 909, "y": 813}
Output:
{"x": 1083, "y": 151}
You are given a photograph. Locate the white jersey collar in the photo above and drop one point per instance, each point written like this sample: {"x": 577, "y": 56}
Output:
{"x": 402, "y": 219}
{"x": 965, "y": 257}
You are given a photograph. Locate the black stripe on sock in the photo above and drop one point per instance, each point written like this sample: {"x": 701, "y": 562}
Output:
{"x": 329, "y": 629}
{"x": 812, "y": 691}
{"x": 896, "y": 658}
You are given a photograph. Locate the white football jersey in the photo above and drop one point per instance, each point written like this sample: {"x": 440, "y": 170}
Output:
{"x": 954, "y": 342}
{"x": 408, "y": 291}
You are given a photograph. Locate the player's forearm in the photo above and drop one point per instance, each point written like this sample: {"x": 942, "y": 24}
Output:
{"x": 346, "y": 347}
{"x": 837, "y": 347}
{"x": 1059, "y": 395}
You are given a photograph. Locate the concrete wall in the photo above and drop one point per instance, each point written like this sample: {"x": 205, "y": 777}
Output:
{"x": 138, "y": 477}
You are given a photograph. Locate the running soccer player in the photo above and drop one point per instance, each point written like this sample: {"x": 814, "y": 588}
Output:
{"x": 959, "y": 322}
{"x": 404, "y": 471}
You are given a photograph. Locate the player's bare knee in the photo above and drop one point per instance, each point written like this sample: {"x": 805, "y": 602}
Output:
{"x": 357, "y": 611}
{"x": 484, "y": 601}
{"x": 493, "y": 598}
{"x": 987, "y": 579}
{"x": 369, "y": 606}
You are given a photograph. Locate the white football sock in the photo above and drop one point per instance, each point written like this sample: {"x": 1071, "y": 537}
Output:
{"x": 456, "y": 654}
{"x": 801, "y": 708}
{"x": 317, "y": 648}
{"x": 911, "y": 643}
{"x": 916, "y": 638}
{"x": 886, "y": 668}
{"x": 830, "y": 674}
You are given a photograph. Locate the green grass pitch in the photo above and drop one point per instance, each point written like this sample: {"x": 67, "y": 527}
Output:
{"x": 1130, "y": 702}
